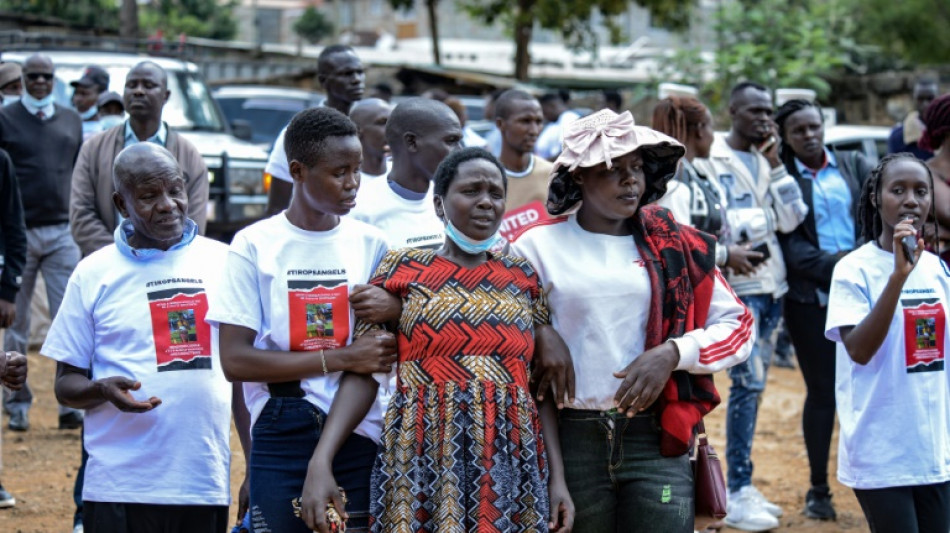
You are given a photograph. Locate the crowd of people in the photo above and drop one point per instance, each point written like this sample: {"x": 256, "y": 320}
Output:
{"x": 434, "y": 331}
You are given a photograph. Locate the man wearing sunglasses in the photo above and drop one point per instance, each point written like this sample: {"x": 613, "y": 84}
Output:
{"x": 43, "y": 140}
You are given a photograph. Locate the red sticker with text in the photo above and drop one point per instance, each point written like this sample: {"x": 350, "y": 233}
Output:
{"x": 517, "y": 220}
{"x": 319, "y": 314}
{"x": 924, "y": 329}
{"x": 182, "y": 337}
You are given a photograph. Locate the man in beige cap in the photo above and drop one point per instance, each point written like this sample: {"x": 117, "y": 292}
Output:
{"x": 11, "y": 87}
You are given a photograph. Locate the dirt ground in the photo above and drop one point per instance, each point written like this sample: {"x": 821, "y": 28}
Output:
{"x": 40, "y": 465}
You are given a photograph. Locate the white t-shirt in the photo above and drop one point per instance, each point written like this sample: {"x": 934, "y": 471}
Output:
{"x": 292, "y": 287}
{"x": 406, "y": 223}
{"x": 145, "y": 320}
{"x": 550, "y": 140}
{"x": 895, "y": 411}
{"x": 599, "y": 292}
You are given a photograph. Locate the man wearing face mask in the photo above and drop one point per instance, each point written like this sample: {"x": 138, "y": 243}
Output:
{"x": 86, "y": 91}
{"x": 111, "y": 110}
{"x": 91, "y": 212}
{"x": 28, "y": 130}
{"x": 10, "y": 85}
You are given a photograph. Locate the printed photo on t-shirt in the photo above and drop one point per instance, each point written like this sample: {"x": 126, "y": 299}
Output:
{"x": 924, "y": 334}
{"x": 182, "y": 337}
{"x": 319, "y": 314}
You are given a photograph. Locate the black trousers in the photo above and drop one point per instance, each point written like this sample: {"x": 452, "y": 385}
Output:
{"x": 914, "y": 509}
{"x": 106, "y": 517}
{"x": 816, "y": 359}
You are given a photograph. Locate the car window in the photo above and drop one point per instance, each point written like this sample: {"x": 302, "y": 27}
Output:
{"x": 267, "y": 116}
{"x": 189, "y": 106}
{"x": 849, "y": 145}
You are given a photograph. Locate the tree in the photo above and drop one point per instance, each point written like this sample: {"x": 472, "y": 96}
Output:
{"x": 195, "y": 18}
{"x": 432, "y": 10}
{"x": 313, "y": 26}
{"x": 774, "y": 42}
{"x": 572, "y": 19}
{"x": 914, "y": 30}
{"x": 99, "y": 14}
{"x": 129, "y": 19}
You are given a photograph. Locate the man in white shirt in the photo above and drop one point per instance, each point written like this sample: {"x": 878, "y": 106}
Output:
{"x": 342, "y": 76}
{"x": 157, "y": 403}
{"x": 420, "y": 132}
{"x": 558, "y": 117}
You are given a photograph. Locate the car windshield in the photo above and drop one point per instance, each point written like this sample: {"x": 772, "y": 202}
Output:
{"x": 189, "y": 105}
{"x": 267, "y": 115}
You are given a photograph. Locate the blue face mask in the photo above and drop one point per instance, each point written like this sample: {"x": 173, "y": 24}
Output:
{"x": 10, "y": 99}
{"x": 35, "y": 104}
{"x": 111, "y": 121}
{"x": 89, "y": 113}
{"x": 468, "y": 245}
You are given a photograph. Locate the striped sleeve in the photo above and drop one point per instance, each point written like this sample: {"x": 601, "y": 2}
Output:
{"x": 727, "y": 338}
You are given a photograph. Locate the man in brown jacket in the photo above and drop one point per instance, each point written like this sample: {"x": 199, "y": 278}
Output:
{"x": 92, "y": 214}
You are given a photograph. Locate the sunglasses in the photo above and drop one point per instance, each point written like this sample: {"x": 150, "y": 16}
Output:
{"x": 35, "y": 76}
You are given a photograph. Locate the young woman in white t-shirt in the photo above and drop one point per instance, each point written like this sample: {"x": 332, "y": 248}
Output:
{"x": 887, "y": 312}
{"x": 646, "y": 315}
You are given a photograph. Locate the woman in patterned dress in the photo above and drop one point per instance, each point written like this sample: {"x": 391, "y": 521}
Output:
{"x": 464, "y": 448}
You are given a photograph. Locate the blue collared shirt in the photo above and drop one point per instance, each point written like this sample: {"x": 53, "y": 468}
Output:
{"x": 124, "y": 231}
{"x": 831, "y": 203}
{"x": 158, "y": 138}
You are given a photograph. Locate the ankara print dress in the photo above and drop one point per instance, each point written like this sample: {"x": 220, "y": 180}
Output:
{"x": 461, "y": 447}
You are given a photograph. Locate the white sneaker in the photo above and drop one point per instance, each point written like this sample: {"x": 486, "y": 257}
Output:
{"x": 78, "y": 528}
{"x": 769, "y": 507}
{"x": 745, "y": 512}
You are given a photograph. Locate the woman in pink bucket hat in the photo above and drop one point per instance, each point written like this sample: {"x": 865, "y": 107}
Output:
{"x": 647, "y": 317}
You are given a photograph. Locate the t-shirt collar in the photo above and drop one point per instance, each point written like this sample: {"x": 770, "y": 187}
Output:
{"x": 124, "y": 231}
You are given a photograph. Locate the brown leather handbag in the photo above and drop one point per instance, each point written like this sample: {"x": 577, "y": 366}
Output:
{"x": 708, "y": 481}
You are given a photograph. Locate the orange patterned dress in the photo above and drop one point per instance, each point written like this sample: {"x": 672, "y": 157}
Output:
{"x": 461, "y": 448}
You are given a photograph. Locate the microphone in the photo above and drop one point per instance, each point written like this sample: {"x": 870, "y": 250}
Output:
{"x": 909, "y": 244}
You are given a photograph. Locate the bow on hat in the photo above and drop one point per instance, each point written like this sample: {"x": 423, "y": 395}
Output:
{"x": 584, "y": 135}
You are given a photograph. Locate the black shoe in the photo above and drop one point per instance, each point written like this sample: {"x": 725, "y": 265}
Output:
{"x": 818, "y": 504}
{"x": 70, "y": 420}
{"x": 19, "y": 420}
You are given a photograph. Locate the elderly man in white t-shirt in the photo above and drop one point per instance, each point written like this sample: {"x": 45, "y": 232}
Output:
{"x": 158, "y": 407}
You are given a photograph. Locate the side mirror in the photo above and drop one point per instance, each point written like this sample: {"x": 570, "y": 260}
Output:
{"x": 242, "y": 129}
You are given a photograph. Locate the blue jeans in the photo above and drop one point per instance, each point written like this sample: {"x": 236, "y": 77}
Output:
{"x": 52, "y": 251}
{"x": 617, "y": 478}
{"x": 748, "y": 382}
{"x": 284, "y": 438}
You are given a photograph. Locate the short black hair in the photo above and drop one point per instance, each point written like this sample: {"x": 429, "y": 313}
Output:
{"x": 309, "y": 129}
{"x": 415, "y": 114}
{"x": 505, "y": 102}
{"x": 743, "y": 85}
{"x": 550, "y": 97}
{"x": 323, "y": 60}
{"x": 612, "y": 96}
{"x": 449, "y": 168}
{"x": 151, "y": 64}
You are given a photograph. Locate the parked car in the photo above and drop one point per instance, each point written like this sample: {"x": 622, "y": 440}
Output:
{"x": 237, "y": 194}
{"x": 266, "y": 109}
{"x": 869, "y": 140}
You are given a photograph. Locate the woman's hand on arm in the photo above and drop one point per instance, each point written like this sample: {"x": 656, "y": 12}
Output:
{"x": 562, "y": 507}
{"x": 375, "y": 304}
{"x": 242, "y": 361}
{"x": 865, "y": 339}
{"x": 353, "y": 400}
{"x": 645, "y": 377}
{"x": 74, "y": 389}
{"x": 553, "y": 367}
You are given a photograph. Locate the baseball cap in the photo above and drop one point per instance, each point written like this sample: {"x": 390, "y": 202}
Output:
{"x": 109, "y": 97}
{"x": 9, "y": 72}
{"x": 93, "y": 75}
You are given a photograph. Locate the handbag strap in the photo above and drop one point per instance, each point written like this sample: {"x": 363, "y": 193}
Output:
{"x": 701, "y": 433}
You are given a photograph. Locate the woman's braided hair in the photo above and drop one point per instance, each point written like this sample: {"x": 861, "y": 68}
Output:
{"x": 869, "y": 216}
